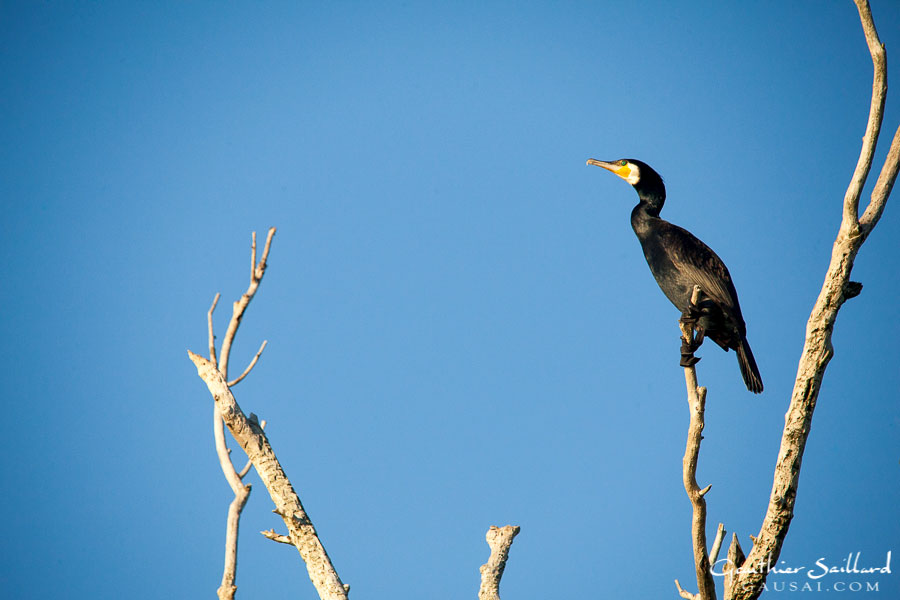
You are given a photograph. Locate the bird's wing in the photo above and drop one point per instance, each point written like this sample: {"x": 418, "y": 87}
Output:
{"x": 701, "y": 266}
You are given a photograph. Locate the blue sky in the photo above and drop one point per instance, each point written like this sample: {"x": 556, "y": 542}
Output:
{"x": 462, "y": 329}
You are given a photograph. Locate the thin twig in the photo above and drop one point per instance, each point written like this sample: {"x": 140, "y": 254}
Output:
{"x": 212, "y": 336}
{"x": 684, "y": 593}
{"x": 256, "y": 274}
{"x": 277, "y": 537}
{"x": 261, "y": 267}
{"x": 717, "y": 545}
{"x": 883, "y": 186}
{"x": 250, "y": 366}
{"x": 499, "y": 539}
{"x": 253, "y": 255}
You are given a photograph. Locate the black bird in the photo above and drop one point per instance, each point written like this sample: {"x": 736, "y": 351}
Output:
{"x": 679, "y": 261}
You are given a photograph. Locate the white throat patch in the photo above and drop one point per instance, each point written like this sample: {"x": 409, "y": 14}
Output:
{"x": 634, "y": 174}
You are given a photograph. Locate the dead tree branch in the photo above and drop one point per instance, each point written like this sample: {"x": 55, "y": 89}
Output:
{"x": 697, "y": 404}
{"x": 499, "y": 539}
{"x": 734, "y": 559}
{"x": 876, "y": 113}
{"x": 277, "y": 537}
{"x": 249, "y": 368}
{"x": 717, "y": 545}
{"x": 212, "y": 335}
{"x": 228, "y": 588}
{"x": 257, "y": 270}
{"x": 817, "y": 349}
{"x": 254, "y": 442}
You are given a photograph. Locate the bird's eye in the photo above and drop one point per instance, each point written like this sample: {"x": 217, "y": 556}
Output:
{"x": 623, "y": 162}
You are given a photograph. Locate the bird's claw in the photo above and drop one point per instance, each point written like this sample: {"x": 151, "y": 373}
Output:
{"x": 691, "y": 314}
{"x": 688, "y": 359}
{"x": 688, "y": 348}
{"x": 699, "y": 336}
{"x": 687, "y": 354}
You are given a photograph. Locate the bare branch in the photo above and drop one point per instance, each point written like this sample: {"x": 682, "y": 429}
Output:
{"x": 734, "y": 561}
{"x": 817, "y": 350}
{"x": 253, "y": 440}
{"x": 212, "y": 336}
{"x": 499, "y": 539}
{"x": 888, "y": 175}
{"x": 876, "y": 113}
{"x": 261, "y": 267}
{"x": 277, "y": 537}
{"x": 222, "y": 451}
{"x": 684, "y": 593}
{"x": 228, "y": 588}
{"x": 252, "y": 255}
{"x": 697, "y": 404}
{"x": 256, "y": 274}
{"x": 250, "y": 366}
{"x": 717, "y": 544}
{"x": 883, "y": 186}
{"x": 243, "y": 472}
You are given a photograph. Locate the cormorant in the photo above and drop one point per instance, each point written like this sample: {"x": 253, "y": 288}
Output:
{"x": 679, "y": 261}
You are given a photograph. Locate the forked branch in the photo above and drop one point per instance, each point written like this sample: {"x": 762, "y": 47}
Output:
{"x": 748, "y": 582}
{"x": 254, "y": 442}
{"x": 228, "y": 588}
{"x": 257, "y": 270}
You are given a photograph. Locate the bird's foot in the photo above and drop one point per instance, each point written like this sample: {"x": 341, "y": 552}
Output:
{"x": 687, "y": 354}
{"x": 688, "y": 360}
{"x": 699, "y": 336}
{"x": 691, "y": 314}
{"x": 688, "y": 348}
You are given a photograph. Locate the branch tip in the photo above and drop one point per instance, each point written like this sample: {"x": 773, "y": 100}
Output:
{"x": 499, "y": 540}
{"x": 684, "y": 593}
{"x": 277, "y": 537}
{"x": 717, "y": 544}
{"x": 250, "y": 366}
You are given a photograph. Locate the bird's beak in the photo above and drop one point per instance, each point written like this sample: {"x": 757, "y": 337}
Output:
{"x": 620, "y": 170}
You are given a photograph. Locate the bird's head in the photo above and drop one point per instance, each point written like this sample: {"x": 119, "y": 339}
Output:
{"x": 639, "y": 174}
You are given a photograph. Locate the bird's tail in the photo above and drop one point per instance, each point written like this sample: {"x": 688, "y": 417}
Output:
{"x": 749, "y": 370}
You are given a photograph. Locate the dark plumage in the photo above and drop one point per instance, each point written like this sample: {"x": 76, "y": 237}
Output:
{"x": 679, "y": 261}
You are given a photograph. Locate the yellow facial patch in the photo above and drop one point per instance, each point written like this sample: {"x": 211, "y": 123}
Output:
{"x": 624, "y": 171}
